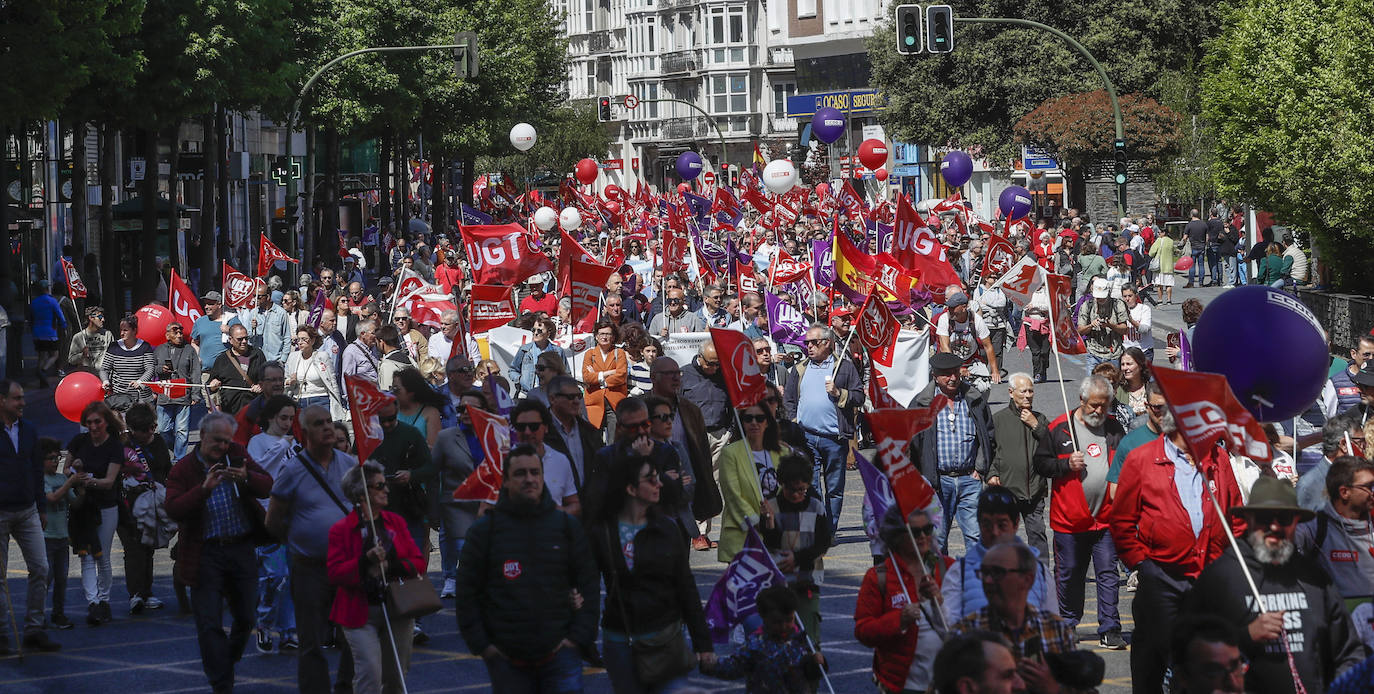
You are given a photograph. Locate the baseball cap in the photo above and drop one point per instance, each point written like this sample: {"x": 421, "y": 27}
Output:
{"x": 212, "y": 296}
{"x": 957, "y": 299}
{"x": 1100, "y": 288}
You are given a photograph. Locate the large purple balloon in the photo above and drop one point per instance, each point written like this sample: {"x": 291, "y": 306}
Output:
{"x": 688, "y": 165}
{"x": 956, "y": 168}
{"x": 827, "y": 124}
{"x": 1014, "y": 202}
{"x": 1270, "y": 348}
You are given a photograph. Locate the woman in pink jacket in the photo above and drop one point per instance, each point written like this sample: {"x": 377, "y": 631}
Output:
{"x": 360, "y": 567}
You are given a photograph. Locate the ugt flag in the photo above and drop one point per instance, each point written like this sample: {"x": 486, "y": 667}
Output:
{"x": 736, "y": 593}
{"x": 183, "y": 302}
{"x": 502, "y": 253}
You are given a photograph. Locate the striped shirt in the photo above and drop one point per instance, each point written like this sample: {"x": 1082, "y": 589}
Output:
{"x": 123, "y": 365}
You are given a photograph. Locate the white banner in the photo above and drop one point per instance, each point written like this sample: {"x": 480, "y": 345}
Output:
{"x": 501, "y": 344}
{"x": 910, "y": 371}
{"x": 683, "y": 347}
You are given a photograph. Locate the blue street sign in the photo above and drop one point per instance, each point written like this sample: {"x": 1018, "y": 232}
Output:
{"x": 852, "y": 101}
{"x": 1036, "y": 159}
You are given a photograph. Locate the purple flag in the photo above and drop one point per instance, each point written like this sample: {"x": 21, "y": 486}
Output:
{"x": 1185, "y": 352}
{"x": 471, "y": 216}
{"x": 713, "y": 254}
{"x": 785, "y": 323}
{"x": 732, "y": 600}
{"x": 877, "y": 494}
{"x": 316, "y": 310}
{"x": 823, "y": 264}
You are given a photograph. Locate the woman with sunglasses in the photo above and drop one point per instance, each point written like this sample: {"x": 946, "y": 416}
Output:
{"x": 296, "y": 314}
{"x": 897, "y": 613}
{"x": 748, "y": 476}
{"x": 524, "y": 372}
{"x": 98, "y": 452}
{"x": 606, "y": 375}
{"x": 310, "y": 376}
{"x": 417, "y": 404}
{"x": 650, "y": 589}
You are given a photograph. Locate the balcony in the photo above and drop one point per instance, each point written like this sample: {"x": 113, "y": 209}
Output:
{"x": 599, "y": 42}
{"x": 678, "y": 62}
{"x": 778, "y": 57}
{"x": 676, "y": 4}
{"x": 779, "y": 125}
{"x": 684, "y": 128}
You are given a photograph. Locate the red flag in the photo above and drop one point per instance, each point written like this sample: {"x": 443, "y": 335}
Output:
{"x": 1000, "y": 256}
{"x": 174, "y": 388}
{"x": 877, "y": 329}
{"x": 915, "y": 247}
{"x": 238, "y": 288}
{"x": 893, "y": 430}
{"x": 183, "y": 302}
{"x": 484, "y": 483}
{"x": 878, "y": 395}
{"x": 744, "y": 380}
{"x": 501, "y": 253}
{"x": 745, "y": 277}
{"x": 1206, "y": 411}
{"x": 890, "y": 277}
{"x": 756, "y": 200}
{"x": 615, "y": 257}
{"x": 430, "y": 313}
{"x": 490, "y": 307}
{"x": 343, "y": 244}
{"x": 567, "y": 250}
{"x": 588, "y": 281}
{"x": 1021, "y": 281}
{"x": 364, "y": 401}
{"x": 1066, "y": 337}
{"x": 268, "y": 253}
{"x": 675, "y": 247}
{"x": 787, "y": 269}
{"x": 76, "y": 289}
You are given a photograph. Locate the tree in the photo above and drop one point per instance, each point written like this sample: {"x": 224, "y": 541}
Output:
{"x": 1079, "y": 128}
{"x": 1286, "y": 87}
{"x": 973, "y": 96}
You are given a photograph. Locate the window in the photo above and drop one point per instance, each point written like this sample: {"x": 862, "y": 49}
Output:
{"x": 806, "y": 8}
{"x": 780, "y": 93}
{"x": 589, "y": 12}
{"x": 651, "y": 29}
{"x": 729, "y": 93}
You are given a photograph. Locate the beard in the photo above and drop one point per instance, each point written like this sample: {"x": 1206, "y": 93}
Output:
{"x": 1167, "y": 424}
{"x": 1094, "y": 420}
{"x": 1266, "y": 555}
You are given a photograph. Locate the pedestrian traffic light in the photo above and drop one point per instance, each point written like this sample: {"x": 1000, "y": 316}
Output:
{"x": 603, "y": 109}
{"x": 939, "y": 28}
{"x": 909, "y": 30}
{"x": 1120, "y": 170}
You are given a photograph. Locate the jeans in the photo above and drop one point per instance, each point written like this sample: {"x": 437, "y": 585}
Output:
{"x": 174, "y": 423}
{"x": 321, "y": 400}
{"x": 1158, "y": 598}
{"x": 1228, "y": 271}
{"x": 620, "y": 668}
{"x": 313, "y": 596}
{"x": 373, "y": 660}
{"x": 1242, "y": 270}
{"x": 1214, "y": 263}
{"x": 1071, "y": 554}
{"x": 59, "y": 563}
{"x": 1092, "y": 361}
{"x": 829, "y": 471}
{"x": 1198, "y": 270}
{"x": 226, "y": 573}
{"x": 561, "y": 675}
{"x": 275, "y": 610}
{"x": 96, "y": 575}
{"x": 27, "y": 530}
{"x": 1033, "y": 523}
{"x": 450, "y": 542}
{"x": 138, "y": 558}
{"x": 959, "y": 498}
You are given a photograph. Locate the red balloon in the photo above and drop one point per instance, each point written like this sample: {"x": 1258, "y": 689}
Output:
{"x": 873, "y": 153}
{"x": 613, "y": 206}
{"x": 77, "y": 390}
{"x": 822, "y": 188}
{"x": 612, "y": 191}
{"x": 880, "y": 174}
{"x": 1183, "y": 264}
{"x": 152, "y": 323}
{"x": 683, "y": 188}
{"x": 586, "y": 171}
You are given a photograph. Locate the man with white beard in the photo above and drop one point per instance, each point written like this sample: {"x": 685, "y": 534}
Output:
{"x": 1076, "y": 456}
{"x": 1302, "y": 628}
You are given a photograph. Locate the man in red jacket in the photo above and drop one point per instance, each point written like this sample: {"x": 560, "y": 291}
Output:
{"x": 1076, "y": 456}
{"x": 1167, "y": 530}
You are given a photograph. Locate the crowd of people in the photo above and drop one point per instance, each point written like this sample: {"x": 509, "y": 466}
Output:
{"x": 624, "y": 460}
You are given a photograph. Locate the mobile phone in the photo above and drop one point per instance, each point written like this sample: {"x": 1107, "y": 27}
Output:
{"x": 167, "y": 363}
{"x": 1172, "y": 339}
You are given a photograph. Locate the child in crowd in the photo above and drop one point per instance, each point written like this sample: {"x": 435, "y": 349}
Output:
{"x": 776, "y": 659}
{"x": 60, "y": 492}
{"x": 797, "y": 532}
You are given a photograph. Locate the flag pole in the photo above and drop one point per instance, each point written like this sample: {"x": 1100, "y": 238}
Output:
{"x": 1054, "y": 347}
{"x": 810, "y": 644}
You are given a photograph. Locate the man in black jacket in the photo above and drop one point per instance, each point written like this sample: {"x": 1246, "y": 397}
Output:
{"x": 1301, "y": 605}
{"x": 956, "y": 452}
{"x": 233, "y": 369}
{"x": 22, "y": 505}
{"x": 1196, "y": 234}
{"x": 528, "y": 586}
{"x": 1215, "y": 229}
{"x": 1018, "y": 430}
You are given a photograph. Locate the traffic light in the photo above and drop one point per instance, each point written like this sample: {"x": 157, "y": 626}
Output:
{"x": 939, "y": 28}
{"x": 465, "y": 55}
{"x": 603, "y": 109}
{"x": 1120, "y": 169}
{"x": 909, "y": 30}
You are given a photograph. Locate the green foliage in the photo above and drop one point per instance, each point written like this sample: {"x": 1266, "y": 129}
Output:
{"x": 972, "y": 97}
{"x": 1189, "y": 174}
{"x": 1079, "y": 128}
{"x": 569, "y": 134}
{"x": 1287, "y": 89}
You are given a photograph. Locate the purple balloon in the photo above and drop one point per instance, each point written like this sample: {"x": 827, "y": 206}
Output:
{"x": 827, "y": 124}
{"x": 1014, "y": 202}
{"x": 1269, "y": 346}
{"x": 956, "y": 168}
{"x": 688, "y": 165}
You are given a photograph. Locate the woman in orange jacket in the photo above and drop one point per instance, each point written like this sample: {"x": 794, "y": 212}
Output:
{"x": 605, "y": 375}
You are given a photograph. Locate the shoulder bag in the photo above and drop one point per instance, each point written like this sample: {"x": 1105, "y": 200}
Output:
{"x": 661, "y": 655}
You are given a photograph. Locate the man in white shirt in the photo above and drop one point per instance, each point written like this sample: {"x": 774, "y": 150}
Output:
{"x": 441, "y": 343}
{"x": 1141, "y": 321}
{"x": 530, "y": 421}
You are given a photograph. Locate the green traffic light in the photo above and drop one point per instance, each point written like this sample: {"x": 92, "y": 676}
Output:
{"x": 909, "y": 40}
{"x": 1120, "y": 179}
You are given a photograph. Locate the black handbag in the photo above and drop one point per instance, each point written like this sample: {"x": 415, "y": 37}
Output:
{"x": 660, "y": 656}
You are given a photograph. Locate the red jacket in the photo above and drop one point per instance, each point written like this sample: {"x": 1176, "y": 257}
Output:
{"x": 446, "y": 276}
{"x": 878, "y": 622}
{"x": 186, "y": 499}
{"x": 1069, "y": 512}
{"x": 345, "y": 555}
{"x": 1148, "y": 520}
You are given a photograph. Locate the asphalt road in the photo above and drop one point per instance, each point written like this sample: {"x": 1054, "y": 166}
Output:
{"x": 156, "y": 653}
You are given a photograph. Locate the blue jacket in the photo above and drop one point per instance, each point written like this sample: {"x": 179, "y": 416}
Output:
{"x": 21, "y": 471}
{"x": 271, "y": 334}
{"x": 521, "y": 370}
{"x": 46, "y": 316}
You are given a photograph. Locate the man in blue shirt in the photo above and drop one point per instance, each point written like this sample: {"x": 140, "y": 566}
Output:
{"x": 211, "y": 330}
{"x": 45, "y": 315}
{"x": 825, "y": 398}
{"x": 955, "y": 453}
{"x": 268, "y": 327}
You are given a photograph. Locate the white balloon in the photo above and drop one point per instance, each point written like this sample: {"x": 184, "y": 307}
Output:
{"x": 779, "y": 176}
{"x": 570, "y": 219}
{"x": 522, "y": 136}
{"x": 545, "y": 218}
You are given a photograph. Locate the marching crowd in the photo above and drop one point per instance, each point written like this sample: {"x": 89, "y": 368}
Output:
{"x": 623, "y": 460}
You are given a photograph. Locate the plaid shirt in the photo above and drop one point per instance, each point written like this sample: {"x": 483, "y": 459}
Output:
{"x": 1042, "y": 632}
{"x": 223, "y": 514}
{"x": 956, "y": 436}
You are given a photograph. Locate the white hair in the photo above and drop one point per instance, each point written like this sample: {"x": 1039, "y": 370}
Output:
{"x": 1096, "y": 383}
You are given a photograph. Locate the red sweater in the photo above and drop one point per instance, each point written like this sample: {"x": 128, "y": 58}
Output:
{"x": 878, "y": 622}
{"x": 345, "y": 555}
{"x": 548, "y": 304}
{"x": 1148, "y": 520}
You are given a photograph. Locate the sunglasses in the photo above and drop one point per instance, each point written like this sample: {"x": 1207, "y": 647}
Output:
{"x": 711, "y": 364}
{"x": 378, "y": 487}
{"x": 1265, "y": 519}
{"x": 637, "y": 426}
{"x": 567, "y": 396}
{"x": 815, "y": 341}
{"x": 665, "y": 417}
{"x": 526, "y": 426}
{"x": 995, "y": 573}
{"x": 921, "y": 530}
{"x": 753, "y": 419}
{"x": 675, "y": 302}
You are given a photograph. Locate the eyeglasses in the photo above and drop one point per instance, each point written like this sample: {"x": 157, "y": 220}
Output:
{"x": 1157, "y": 409}
{"x": 378, "y": 487}
{"x": 995, "y": 573}
{"x": 636, "y": 426}
{"x": 238, "y": 339}
{"x": 919, "y": 530}
{"x": 763, "y": 350}
{"x": 711, "y": 364}
{"x": 1264, "y": 519}
{"x": 664, "y": 417}
{"x": 567, "y": 396}
{"x": 463, "y": 369}
{"x": 674, "y": 302}
{"x": 815, "y": 341}
{"x": 753, "y": 419}
{"x": 1369, "y": 488}
{"x": 526, "y": 426}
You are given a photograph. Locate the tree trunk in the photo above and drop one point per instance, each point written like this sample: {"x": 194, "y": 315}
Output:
{"x": 225, "y": 237}
{"x": 401, "y": 170}
{"x": 330, "y": 194}
{"x": 146, "y": 286}
{"x": 173, "y": 186}
{"x": 108, "y": 292}
{"x": 209, "y": 206}
{"x": 438, "y": 207}
{"x": 469, "y": 175}
{"x": 384, "y": 181}
{"x": 80, "y": 210}
{"x": 307, "y": 210}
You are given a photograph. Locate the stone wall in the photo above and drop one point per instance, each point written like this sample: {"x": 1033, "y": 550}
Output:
{"x": 1100, "y": 201}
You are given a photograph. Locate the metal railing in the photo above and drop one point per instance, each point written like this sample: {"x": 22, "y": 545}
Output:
{"x": 678, "y": 62}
